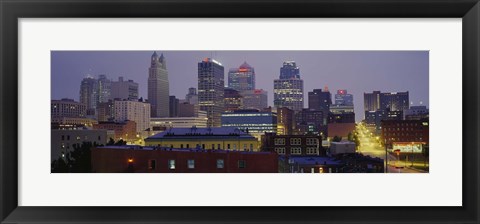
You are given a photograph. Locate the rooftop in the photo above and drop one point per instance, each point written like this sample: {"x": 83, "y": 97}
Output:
{"x": 194, "y": 132}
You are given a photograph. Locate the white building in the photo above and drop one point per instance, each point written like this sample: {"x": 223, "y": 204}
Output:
{"x": 342, "y": 147}
{"x": 180, "y": 122}
{"x": 134, "y": 111}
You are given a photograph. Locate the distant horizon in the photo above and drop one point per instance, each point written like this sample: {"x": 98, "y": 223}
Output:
{"x": 357, "y": 72}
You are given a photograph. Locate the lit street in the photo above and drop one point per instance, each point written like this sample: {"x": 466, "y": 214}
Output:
{"x": 370, "y": 146}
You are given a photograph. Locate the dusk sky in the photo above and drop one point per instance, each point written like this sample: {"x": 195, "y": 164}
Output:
{"x": 355, "y": 71}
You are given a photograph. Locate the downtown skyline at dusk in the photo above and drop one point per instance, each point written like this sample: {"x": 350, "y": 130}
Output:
{"x": 240, "y": 111}
{"x": 367, "y": 71}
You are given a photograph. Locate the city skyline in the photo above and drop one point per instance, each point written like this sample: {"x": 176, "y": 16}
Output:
{"x": 356, "y": 71}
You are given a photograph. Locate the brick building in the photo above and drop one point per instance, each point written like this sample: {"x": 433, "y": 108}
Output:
{"x": 293, "y": 144}
{"x": 137, "y": 159}
{"x": 406, "y": 132}
{"x": 126, "y": 130}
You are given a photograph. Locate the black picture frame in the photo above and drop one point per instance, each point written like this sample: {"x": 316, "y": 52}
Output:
{"x": 12, "y": 10}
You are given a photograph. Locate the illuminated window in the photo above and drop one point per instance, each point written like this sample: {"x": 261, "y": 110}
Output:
{"x": 191, "y": 164}
{"x": 242, "y": 164}
{"x": 312, "y": 141}
{"x": 296, "y": 151}
{"x": 295, "y": 141}
{"x": 280, "y": 150}
{"x": 171, "y": 164}
{"x": 312, "y": 150}
{"x": 220, "y": 163}
{"x": 279, "y": 141}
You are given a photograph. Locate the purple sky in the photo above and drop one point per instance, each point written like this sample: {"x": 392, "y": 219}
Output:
{"x": 356, "y": 71}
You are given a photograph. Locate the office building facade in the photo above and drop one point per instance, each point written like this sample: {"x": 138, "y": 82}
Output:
{"x": 211, "y": 86}
{"x": 255, "y": 99}
{"x": 158, "y": 86}
{"x": 124, "y": 90}
{"x": 242, "y": 78}
{"x": 251, "y": 121}
{"x": 133, "y": 111}
{"x": 288, "y": 89}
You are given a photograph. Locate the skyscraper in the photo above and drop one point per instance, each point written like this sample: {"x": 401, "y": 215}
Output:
{"x": 104, "y": 89}
{"x": 173, "y": 110}
{"x": 242, "y": 78}
{"x": 232, "y": 100}
{"x": 124, "y": 89}
{"x": 320, "y": 100}
{"x": 158, "y": 88}
{"x": 255, "y": 99}
{"x": 89, "y": 94}
{"x": 192, "y": 97}
{"x": 371, "y": 101}
{"x": 343, "y": 98}
{"x": 133, "y": 111}
{"x": 394, "y": 101}
{"x": 211, "y": 87}
{"x": 288, "y": 90}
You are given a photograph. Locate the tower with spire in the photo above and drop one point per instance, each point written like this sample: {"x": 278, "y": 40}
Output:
{"x": 158, "y": 86}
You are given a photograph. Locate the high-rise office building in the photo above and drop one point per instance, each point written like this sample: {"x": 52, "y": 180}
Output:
{"x": 192, "y": 97}
{"x": 104, "y": 89}
{"x": 232, "y": 100}
{"x": 89, "y": 94}
{"x": 211, "y": 87}
{"x": 124, "y": 90}
{"x": 255, "y": 99}
{"x": 343, "y": 98}
{"x": 251, "y": 121}
{"x": 158, "y": 88}
{"x": 288, "y": 89}
{"x": 394, "y": 101}
{"x": 67, "y": 108}
{"x": 133, "y": 111}
{"x": 242, "y": 78}
{"x": 371, "y": 101}
{"x": 106, "y": 111}
{"x": 309, "y": 121}
{"x": 320, "y": 100}
{"x": 173, "y": 111}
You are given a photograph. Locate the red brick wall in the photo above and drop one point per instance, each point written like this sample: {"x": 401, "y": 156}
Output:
{"x": 114, "y": 160}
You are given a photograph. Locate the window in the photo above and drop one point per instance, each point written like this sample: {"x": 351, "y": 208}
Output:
{"x": 68, "y": 137}
{"x": 203, "y": 146}
{"x": 63, "y": 137}
{"x": 228, "y": 146}
{"x": 296, "y": 150}
{"x": 234, "y": 146}
{"x": 191, "y": 164}
{"x": 171, "y": 164}
{"x": 251, "y": 147}
{"x": 181, "y": 146}
{"x": 213, "y": 146}
{"x": 188, "y": 146}
{"x": 311, "y": 151}
{"x": 219, "y": 146}
{"x": 295, "y": 141}
{"x": 279, "y": 141}
{"x": 312, "y": 141}
{"x": 280, "y": 150}
{"x": 244, "y": 147}
{"x": 152, "y": 164}
{"x": 220, "y": 164}
{"x": 242, "y": 164}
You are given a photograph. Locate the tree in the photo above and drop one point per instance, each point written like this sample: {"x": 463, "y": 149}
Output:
{"x": 336, "y": 138}
{"x": 111, "y": 142}
{"x": 59, "y": 166}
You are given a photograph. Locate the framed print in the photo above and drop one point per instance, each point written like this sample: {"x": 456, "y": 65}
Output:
{"x": 225, "y": 111}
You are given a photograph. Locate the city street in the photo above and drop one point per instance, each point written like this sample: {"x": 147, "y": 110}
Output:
{"x": 370, "y": 146}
